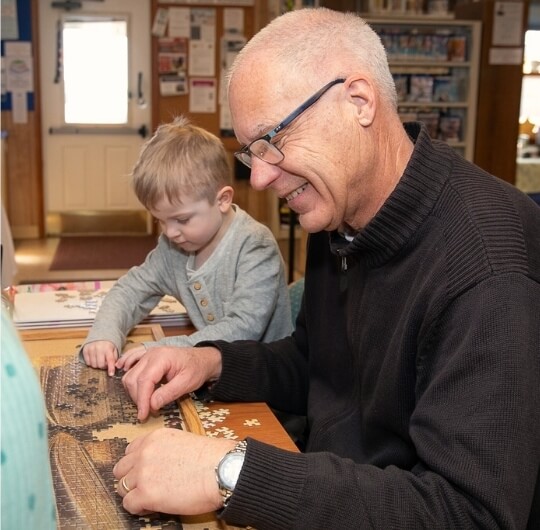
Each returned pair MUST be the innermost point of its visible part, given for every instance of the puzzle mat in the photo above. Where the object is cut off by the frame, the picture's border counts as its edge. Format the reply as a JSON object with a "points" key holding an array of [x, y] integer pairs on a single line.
{"points": [[91, 421]]}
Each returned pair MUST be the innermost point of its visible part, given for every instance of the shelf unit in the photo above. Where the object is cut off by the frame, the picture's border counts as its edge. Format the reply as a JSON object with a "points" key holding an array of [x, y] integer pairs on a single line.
{"points": [[435, 64]]}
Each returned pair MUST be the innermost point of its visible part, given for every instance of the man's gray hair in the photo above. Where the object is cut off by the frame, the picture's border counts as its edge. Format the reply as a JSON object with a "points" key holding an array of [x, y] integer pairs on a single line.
{"points": [[320, 44]]}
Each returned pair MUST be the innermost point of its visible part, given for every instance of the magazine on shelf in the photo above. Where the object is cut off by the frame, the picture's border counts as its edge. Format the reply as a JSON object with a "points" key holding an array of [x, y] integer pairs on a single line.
{"points": [[421, 88]]}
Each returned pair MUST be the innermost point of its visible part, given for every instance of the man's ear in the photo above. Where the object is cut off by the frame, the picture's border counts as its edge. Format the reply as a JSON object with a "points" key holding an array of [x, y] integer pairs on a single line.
{"points": [[224, 198], [362, 94]]}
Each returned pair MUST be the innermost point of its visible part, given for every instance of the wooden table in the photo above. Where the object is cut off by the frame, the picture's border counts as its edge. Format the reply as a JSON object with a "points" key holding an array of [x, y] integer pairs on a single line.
{"points": [[91, 420], [254, 420]]}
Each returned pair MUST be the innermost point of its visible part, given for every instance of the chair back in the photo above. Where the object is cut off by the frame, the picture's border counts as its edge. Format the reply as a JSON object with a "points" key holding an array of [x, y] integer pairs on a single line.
{"points": [[296, 291]]}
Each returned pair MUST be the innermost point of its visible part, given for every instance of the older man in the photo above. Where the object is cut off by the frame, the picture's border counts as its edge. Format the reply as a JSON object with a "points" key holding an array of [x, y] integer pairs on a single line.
{"points": [[416, 356]]}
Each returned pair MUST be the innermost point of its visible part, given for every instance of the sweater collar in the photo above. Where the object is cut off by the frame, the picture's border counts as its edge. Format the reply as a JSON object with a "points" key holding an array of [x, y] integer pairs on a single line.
{"points": [[407, 206]]}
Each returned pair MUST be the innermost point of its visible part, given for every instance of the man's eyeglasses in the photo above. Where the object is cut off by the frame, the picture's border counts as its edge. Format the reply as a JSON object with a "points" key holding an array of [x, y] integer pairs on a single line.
{"points": [[262, 148]]}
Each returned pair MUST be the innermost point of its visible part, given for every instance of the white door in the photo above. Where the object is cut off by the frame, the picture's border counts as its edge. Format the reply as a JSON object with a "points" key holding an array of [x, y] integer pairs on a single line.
{"points": [[95, 82]]}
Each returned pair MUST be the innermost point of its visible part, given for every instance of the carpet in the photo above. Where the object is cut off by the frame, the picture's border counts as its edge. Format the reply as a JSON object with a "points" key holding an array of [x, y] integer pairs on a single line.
{"points": [[101, 252]]}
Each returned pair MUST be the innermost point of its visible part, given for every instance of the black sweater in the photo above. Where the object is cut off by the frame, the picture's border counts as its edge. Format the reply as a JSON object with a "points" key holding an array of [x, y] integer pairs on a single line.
{"points": [[417, 361]]}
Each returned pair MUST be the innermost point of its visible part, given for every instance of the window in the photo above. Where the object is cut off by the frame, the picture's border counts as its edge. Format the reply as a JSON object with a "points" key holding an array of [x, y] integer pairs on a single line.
{"points": [[95, 67], [530, 88]]}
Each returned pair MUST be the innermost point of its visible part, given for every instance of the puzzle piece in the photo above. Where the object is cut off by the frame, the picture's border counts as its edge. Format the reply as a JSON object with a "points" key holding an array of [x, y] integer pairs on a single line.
{"points": [[222, 432]]}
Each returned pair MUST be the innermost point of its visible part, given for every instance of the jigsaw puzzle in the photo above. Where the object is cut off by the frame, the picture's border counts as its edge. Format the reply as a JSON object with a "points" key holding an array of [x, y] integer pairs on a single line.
{"points": [[91, 420]]}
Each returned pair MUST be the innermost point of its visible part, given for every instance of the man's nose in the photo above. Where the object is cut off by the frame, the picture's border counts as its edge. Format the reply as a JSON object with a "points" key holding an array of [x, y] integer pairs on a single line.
{"points": [[262, 174]]}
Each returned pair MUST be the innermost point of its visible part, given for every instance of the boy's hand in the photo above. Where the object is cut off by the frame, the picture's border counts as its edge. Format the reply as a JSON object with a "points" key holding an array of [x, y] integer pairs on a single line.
{"points": [[101, 354], [130, 357]]}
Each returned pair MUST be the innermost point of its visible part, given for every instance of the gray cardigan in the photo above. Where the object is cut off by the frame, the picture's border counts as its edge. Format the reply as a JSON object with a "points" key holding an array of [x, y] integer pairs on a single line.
{"points": [[240, 292]]}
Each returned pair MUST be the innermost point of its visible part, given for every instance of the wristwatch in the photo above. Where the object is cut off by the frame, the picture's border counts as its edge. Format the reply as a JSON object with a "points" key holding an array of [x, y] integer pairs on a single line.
{"points": [[228, 470]]}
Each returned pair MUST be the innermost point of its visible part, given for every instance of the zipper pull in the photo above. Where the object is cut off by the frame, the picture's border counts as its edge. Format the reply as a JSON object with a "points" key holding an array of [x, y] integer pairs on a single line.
{"points": [[343, 275]]}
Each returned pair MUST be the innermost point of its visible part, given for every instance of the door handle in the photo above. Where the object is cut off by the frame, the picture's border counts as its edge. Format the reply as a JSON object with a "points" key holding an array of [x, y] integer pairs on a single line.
{"points": [[140, 95], [142, 131]]}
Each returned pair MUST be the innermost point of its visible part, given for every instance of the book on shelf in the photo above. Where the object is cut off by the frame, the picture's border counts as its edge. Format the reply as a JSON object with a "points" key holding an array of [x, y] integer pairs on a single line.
{"points": [[445, 89], [421, 88], [402, 86], [450, 128], [457, 48], [431, 121]]}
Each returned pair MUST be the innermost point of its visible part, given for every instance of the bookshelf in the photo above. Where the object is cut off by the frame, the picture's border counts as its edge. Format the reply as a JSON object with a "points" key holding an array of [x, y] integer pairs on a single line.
{"points": [[435, 67]]}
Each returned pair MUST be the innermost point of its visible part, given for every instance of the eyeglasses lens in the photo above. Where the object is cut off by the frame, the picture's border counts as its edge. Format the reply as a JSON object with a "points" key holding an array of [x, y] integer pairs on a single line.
{"points": [[244, 157], [263, 150], [266, 151]]}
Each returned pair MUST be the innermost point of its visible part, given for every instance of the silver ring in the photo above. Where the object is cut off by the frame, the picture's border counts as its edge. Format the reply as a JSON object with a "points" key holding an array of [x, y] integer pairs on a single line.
{"points": [[124, 485]]}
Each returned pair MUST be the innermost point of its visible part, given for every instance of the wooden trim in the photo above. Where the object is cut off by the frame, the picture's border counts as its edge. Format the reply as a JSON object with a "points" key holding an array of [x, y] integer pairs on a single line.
{"points": [[23, 176], [499, 96], [26, 232], [40, 197]]}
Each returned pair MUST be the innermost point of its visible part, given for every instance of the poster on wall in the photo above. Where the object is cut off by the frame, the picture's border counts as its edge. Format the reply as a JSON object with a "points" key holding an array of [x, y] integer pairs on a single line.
{"points": [[202, 58], [202, 44], [169, 63], [179, 22], [159, 26], [172, 66], [19, 67], [233, 20], [231, 43], [19, 71], [507, 24], [173, 84], [202, 95], [203, 24], [10, 25], [172, 55]]}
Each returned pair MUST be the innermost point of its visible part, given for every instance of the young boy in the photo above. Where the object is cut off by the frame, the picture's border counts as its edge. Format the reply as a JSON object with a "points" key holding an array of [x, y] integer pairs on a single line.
{"points": [[221, 264]]}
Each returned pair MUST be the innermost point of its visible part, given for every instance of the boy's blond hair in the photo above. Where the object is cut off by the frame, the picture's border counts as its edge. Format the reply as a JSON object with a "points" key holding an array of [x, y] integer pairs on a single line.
{"points": [[180, 160]]}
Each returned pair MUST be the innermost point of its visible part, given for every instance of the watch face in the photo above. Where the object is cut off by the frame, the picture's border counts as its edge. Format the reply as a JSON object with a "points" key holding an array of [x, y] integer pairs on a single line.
{"points": [[229, 470]]}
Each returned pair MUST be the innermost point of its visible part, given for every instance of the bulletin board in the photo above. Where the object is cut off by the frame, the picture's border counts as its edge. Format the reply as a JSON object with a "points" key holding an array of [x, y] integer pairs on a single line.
{"points": [[193, 44]]}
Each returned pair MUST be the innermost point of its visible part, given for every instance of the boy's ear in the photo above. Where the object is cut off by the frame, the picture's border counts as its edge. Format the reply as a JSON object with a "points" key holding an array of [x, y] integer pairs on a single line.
{"points": [[225, 198]]}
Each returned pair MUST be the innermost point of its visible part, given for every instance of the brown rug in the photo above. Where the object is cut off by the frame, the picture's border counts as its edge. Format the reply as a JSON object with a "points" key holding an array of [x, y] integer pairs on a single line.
{"points": [[101, 252]]}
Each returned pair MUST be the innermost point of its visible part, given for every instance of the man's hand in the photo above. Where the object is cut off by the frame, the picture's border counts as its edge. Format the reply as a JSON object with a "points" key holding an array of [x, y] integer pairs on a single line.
{"points": [[101, 354], [130, 357], [171, 471], [183, 369]]}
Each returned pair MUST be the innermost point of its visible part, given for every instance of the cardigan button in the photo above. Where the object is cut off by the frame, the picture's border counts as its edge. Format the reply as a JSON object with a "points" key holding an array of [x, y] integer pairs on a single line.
{"points": [[210, 317], [197, 286], [204, 302]]}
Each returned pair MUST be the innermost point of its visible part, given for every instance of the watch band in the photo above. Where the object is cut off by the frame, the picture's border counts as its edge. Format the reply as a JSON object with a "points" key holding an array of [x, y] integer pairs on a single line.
{"points": [[225, 491]]}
